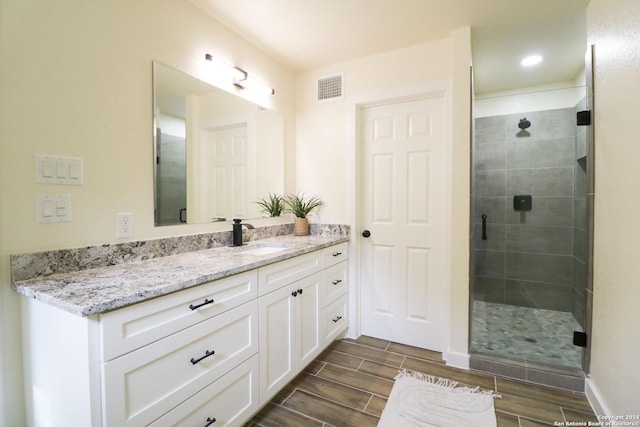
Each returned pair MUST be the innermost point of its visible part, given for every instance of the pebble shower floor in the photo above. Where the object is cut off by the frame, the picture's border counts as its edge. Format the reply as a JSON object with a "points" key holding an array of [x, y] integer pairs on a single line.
{"points": [[523, 333]]}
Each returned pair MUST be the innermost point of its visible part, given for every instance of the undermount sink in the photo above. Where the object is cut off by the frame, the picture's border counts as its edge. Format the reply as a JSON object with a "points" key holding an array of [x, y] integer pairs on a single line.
{"points": [[261, 248]]}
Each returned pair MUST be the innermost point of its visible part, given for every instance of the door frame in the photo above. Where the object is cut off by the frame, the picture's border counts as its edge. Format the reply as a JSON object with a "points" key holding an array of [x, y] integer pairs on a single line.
{"points": [[355, 106]]}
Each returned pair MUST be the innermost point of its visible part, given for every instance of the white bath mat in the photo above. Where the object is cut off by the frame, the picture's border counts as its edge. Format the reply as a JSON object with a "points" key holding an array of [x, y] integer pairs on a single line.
{"points": [[418, 399]]}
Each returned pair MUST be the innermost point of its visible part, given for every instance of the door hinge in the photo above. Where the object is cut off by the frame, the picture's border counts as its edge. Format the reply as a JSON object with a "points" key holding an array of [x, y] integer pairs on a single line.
{"points": [[580, 338], [583, 118]]}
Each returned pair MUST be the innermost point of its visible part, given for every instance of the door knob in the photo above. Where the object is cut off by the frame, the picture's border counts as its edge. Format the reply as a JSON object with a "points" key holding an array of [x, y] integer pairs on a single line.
{"points": [[366, 233]]}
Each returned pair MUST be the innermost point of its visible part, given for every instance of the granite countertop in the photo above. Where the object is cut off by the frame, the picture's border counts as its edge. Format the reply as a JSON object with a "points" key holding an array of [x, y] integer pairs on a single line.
{"points": [[98, 290]]}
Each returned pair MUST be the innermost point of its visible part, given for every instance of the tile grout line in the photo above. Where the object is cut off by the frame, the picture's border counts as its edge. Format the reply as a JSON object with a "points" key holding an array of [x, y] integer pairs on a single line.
{"points": [[367, 405]]}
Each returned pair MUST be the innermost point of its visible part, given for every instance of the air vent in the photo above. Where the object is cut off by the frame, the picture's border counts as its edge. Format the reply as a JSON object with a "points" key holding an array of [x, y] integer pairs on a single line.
{"points": [[330, 87]]}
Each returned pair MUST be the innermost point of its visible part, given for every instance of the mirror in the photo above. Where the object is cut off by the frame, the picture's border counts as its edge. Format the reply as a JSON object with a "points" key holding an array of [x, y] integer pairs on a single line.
{"points": [[215, 153]]}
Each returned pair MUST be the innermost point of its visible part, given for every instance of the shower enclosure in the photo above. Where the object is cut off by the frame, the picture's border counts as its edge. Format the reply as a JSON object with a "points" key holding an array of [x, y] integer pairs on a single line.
{"points": [[530, 233]]}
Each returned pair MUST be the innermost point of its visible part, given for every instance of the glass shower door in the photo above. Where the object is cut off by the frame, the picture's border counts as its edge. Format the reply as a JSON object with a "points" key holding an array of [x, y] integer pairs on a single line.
{"points": [[530, 228]]}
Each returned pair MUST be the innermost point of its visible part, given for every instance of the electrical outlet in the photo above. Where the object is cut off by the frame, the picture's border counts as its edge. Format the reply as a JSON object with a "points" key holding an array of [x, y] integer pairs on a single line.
{"points": [[124, 225]]}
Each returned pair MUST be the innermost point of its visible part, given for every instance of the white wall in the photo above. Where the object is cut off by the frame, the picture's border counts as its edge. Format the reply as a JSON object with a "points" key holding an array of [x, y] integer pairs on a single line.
{"points": [[76, 81], [327, 161], [613, 27], [530, 99]]}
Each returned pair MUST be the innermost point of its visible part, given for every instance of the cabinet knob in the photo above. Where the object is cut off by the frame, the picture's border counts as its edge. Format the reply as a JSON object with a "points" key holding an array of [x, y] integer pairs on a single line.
{"points": [[300, 291], [294, 294], [366, 233]]}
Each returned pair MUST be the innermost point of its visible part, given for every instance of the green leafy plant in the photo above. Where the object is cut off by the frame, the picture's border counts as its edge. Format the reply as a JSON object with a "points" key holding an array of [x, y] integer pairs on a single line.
{"points": [[300, 206], [272, 205]]}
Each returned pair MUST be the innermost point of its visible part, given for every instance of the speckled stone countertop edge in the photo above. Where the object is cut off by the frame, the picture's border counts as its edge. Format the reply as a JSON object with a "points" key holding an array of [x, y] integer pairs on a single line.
{"points": [[99, 290]]}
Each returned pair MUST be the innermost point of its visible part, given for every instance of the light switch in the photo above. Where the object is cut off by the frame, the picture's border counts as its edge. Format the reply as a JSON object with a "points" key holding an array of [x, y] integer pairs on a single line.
{"points": [[75, 171], [47, 169], [58, 170], [61, 208], [61, 169], [53, 208], [47, 208]]}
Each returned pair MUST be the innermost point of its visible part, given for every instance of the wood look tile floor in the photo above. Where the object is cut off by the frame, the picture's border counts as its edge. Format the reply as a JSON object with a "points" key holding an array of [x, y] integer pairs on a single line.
{"points": [[349, 383]]}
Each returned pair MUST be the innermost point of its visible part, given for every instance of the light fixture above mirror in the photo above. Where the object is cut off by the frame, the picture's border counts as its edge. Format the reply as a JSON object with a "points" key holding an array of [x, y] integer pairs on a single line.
{"points": [[241, 78]]}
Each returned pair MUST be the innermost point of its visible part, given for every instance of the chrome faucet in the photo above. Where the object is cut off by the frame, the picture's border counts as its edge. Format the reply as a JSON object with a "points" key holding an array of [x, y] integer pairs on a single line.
{"points": [[237, 231]]}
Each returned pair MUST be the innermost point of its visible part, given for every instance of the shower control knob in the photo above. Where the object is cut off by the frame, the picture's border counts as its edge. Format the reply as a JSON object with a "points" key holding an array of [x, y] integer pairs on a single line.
{"points": [[366, 233]]}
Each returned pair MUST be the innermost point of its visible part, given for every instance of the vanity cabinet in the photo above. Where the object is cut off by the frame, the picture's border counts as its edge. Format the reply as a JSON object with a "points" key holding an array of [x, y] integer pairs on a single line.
{"points": [[292, 313], [217, 351]]}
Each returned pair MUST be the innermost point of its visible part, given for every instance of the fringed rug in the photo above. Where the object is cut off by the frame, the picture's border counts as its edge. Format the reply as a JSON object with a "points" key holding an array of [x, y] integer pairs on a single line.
{"points": [[418, 399]]}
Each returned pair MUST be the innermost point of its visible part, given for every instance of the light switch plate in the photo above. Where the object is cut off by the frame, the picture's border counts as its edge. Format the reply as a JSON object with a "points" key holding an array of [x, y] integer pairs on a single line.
{"points": [[59, 170], [53, 208]]}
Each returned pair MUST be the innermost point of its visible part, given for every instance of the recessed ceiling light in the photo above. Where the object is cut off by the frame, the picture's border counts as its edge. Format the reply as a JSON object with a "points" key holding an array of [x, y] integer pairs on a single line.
{"points": [[531, 60]]}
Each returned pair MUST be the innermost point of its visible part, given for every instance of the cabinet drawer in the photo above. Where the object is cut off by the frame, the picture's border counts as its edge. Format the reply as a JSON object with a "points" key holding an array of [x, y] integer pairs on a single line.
{"points": [[140, 386], [334, 319], [230, 400], [335, 254], [132, 327], [335, 282], [274, 276]]}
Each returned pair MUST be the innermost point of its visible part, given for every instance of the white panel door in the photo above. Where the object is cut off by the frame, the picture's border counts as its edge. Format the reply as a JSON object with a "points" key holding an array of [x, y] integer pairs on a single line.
{"points": [[225, 165], [403, 261]]}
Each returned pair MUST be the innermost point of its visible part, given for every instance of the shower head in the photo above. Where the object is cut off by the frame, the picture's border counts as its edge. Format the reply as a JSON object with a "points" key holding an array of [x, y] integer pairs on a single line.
{"points": [[524, 123]]}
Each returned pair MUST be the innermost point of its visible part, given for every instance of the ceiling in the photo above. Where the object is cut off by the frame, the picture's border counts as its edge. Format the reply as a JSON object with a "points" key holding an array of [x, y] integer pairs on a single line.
{"points": [[306, 34]]}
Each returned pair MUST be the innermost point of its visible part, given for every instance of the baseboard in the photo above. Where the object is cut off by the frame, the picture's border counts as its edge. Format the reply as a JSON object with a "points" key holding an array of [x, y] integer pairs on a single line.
{"points": [[457, 360], [595, 398]]}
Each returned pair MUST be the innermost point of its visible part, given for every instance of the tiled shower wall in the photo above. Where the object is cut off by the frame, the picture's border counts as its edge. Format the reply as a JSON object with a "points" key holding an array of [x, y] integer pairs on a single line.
{"points": [[171, 184], [530, 258]]}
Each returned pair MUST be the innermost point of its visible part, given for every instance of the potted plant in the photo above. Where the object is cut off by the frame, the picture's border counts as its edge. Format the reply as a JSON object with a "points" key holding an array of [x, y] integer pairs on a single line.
{"points": [[272, 205], [301, 207]]}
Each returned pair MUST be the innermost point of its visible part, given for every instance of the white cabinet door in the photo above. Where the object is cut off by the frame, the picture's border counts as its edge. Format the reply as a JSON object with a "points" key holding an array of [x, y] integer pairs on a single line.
{"points": [[277, 367], [289, 333], [307, 330]]}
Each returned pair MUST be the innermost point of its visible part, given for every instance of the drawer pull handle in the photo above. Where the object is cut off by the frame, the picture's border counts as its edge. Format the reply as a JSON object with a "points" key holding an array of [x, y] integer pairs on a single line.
{"points": [[210, 421], [336, 319], [206, 301], [337, 253], [206, 354], [335, 282]]}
